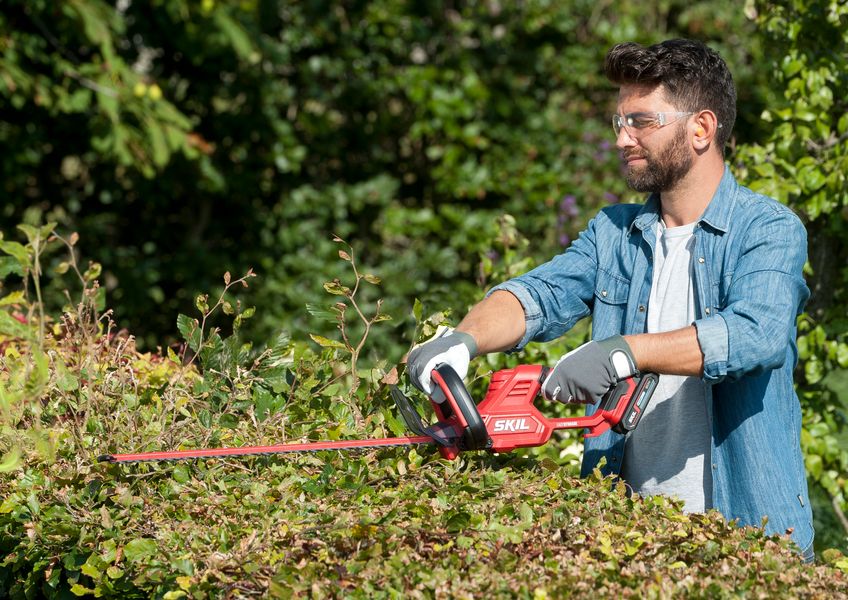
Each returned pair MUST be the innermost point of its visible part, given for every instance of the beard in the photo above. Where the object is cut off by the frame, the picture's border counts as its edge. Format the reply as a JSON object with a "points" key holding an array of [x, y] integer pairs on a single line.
{"points": [[662, 171]]}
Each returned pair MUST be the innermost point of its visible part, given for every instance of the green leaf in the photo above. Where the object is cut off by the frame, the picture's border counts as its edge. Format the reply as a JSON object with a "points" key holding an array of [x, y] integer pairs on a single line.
{"points": [[91, 570], [842, 126], [10, 326], [417, 310], [19, 252], [326, 342], [9, 265], [139, 549], [95, 26], [114, 572], [9, 503], [109, 104], [31, 233], [336, 288], [321, 313], [814, 465], [38, 235], [228, 421], [39, 375], [158, 142], [813, 370], [237, 36], [190, 330], [397, 427], [78, 101], [842, 355], [180, 473], [10, 461], [16, 297], [263, 401], [457, 521], [93, 271], [65, 380], [172, 356], [81, 590]]}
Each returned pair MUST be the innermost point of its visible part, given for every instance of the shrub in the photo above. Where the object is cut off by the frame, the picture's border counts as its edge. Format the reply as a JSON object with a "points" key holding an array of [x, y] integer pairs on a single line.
{"points": [[389, 523]]}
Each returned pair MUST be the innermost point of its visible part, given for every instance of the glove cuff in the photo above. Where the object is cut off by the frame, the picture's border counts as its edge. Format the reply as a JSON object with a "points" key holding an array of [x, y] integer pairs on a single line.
{"points": [[620, 356], [468, 341]]}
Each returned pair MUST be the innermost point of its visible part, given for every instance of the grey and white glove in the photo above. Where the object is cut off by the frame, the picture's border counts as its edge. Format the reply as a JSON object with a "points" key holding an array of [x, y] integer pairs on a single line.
{"points": [[587, 373], [448, 346]]}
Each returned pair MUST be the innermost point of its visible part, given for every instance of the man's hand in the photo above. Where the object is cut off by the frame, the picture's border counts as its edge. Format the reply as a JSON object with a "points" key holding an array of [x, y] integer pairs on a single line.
{"points": [[587, 373], [448, 346]]}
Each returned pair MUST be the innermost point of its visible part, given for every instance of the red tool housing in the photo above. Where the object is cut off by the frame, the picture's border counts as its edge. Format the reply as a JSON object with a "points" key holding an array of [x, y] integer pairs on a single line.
{"points": [[511, 420]]}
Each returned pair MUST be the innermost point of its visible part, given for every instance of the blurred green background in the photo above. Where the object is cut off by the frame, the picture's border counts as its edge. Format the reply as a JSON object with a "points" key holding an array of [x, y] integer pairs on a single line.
{"points": [[184, 139]]}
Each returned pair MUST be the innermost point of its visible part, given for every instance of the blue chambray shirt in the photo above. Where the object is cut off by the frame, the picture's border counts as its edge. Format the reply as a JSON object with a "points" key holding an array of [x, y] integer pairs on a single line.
{"points": [[750, 251]]}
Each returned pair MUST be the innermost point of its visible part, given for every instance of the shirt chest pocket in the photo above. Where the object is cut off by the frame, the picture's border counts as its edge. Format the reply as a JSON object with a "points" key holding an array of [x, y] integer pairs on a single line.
{"points": [[611, 289], [609, 312]]}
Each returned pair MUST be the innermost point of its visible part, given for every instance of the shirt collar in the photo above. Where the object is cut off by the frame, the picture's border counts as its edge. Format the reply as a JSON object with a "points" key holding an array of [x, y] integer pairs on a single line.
{"points": [[717, 215], [721, 206]]}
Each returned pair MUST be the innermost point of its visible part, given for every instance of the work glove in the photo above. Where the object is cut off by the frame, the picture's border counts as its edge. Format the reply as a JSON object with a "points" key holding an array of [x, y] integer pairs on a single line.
{"points": [[448, 346], [587, 373]]}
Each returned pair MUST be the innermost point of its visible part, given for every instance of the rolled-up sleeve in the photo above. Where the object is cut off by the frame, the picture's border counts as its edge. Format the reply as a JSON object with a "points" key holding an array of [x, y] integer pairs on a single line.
{"points": [[712, 336], [756, 328], [532, 312], [557, 294]]}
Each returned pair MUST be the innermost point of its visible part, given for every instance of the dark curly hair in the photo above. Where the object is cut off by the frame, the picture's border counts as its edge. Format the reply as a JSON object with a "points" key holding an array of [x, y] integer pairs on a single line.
{"points": [[694, 76]]}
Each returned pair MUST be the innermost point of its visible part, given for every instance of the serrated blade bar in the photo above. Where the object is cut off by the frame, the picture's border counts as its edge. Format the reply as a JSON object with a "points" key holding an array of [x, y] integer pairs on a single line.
{"points": [[265, 450]]}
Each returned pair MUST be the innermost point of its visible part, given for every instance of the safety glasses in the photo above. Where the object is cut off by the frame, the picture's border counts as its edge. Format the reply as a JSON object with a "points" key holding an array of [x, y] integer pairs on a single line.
{"points": [[634, 122]]}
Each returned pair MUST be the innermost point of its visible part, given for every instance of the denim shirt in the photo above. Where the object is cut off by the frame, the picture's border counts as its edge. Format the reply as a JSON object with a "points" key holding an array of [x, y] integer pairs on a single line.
{"points": [[749, 252]]}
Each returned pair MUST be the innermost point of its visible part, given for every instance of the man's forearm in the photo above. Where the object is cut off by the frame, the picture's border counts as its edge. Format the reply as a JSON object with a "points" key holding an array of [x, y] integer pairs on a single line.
{"points": [[496, 323], [670, 353]]}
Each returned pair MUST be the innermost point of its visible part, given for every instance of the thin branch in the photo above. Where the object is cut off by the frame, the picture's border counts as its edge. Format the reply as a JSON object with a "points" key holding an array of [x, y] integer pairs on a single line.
{"points": [[834, 502], [92, 85], [827, 144]]}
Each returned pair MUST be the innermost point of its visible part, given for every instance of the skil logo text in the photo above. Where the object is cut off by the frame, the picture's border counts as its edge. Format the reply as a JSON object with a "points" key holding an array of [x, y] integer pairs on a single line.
{"points": [[504, 425]]}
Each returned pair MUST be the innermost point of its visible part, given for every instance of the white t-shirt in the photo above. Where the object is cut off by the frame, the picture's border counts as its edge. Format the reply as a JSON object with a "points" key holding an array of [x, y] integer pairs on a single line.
{"points": [[669, 452]]}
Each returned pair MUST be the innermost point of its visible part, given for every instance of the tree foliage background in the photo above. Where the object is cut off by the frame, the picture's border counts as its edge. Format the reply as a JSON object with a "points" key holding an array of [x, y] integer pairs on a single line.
{"points": [[182, 138], [452, 144]]}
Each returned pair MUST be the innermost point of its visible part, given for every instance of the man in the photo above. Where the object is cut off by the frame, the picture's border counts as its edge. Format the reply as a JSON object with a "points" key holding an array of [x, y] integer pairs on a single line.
{"points": [[702, 284]]}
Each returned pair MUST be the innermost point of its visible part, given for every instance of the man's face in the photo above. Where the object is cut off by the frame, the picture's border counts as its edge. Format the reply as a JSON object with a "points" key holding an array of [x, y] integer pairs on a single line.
{"points": [[656, 158]]}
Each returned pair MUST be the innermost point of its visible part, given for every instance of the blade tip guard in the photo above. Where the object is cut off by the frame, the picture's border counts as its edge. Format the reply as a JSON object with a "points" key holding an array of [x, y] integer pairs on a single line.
{"points": [[107, 458]]}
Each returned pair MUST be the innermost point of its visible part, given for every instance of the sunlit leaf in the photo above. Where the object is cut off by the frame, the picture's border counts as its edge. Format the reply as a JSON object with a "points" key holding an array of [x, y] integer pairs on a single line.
{"points": [[326, 342], [139, 549]]}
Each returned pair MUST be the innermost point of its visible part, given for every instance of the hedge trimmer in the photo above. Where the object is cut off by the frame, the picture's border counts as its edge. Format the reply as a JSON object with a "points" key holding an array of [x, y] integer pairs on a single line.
{"points": [[506, 419]]}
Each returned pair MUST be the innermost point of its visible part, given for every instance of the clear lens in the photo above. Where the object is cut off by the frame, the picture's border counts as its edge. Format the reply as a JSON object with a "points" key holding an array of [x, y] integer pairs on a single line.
{"points": [[644, 120]]}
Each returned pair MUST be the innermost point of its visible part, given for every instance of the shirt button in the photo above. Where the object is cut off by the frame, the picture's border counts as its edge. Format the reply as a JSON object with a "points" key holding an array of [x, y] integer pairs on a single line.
{"points": [[714, 467], [707, 311], [701, 260], [604, 293], [641, 308]]}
